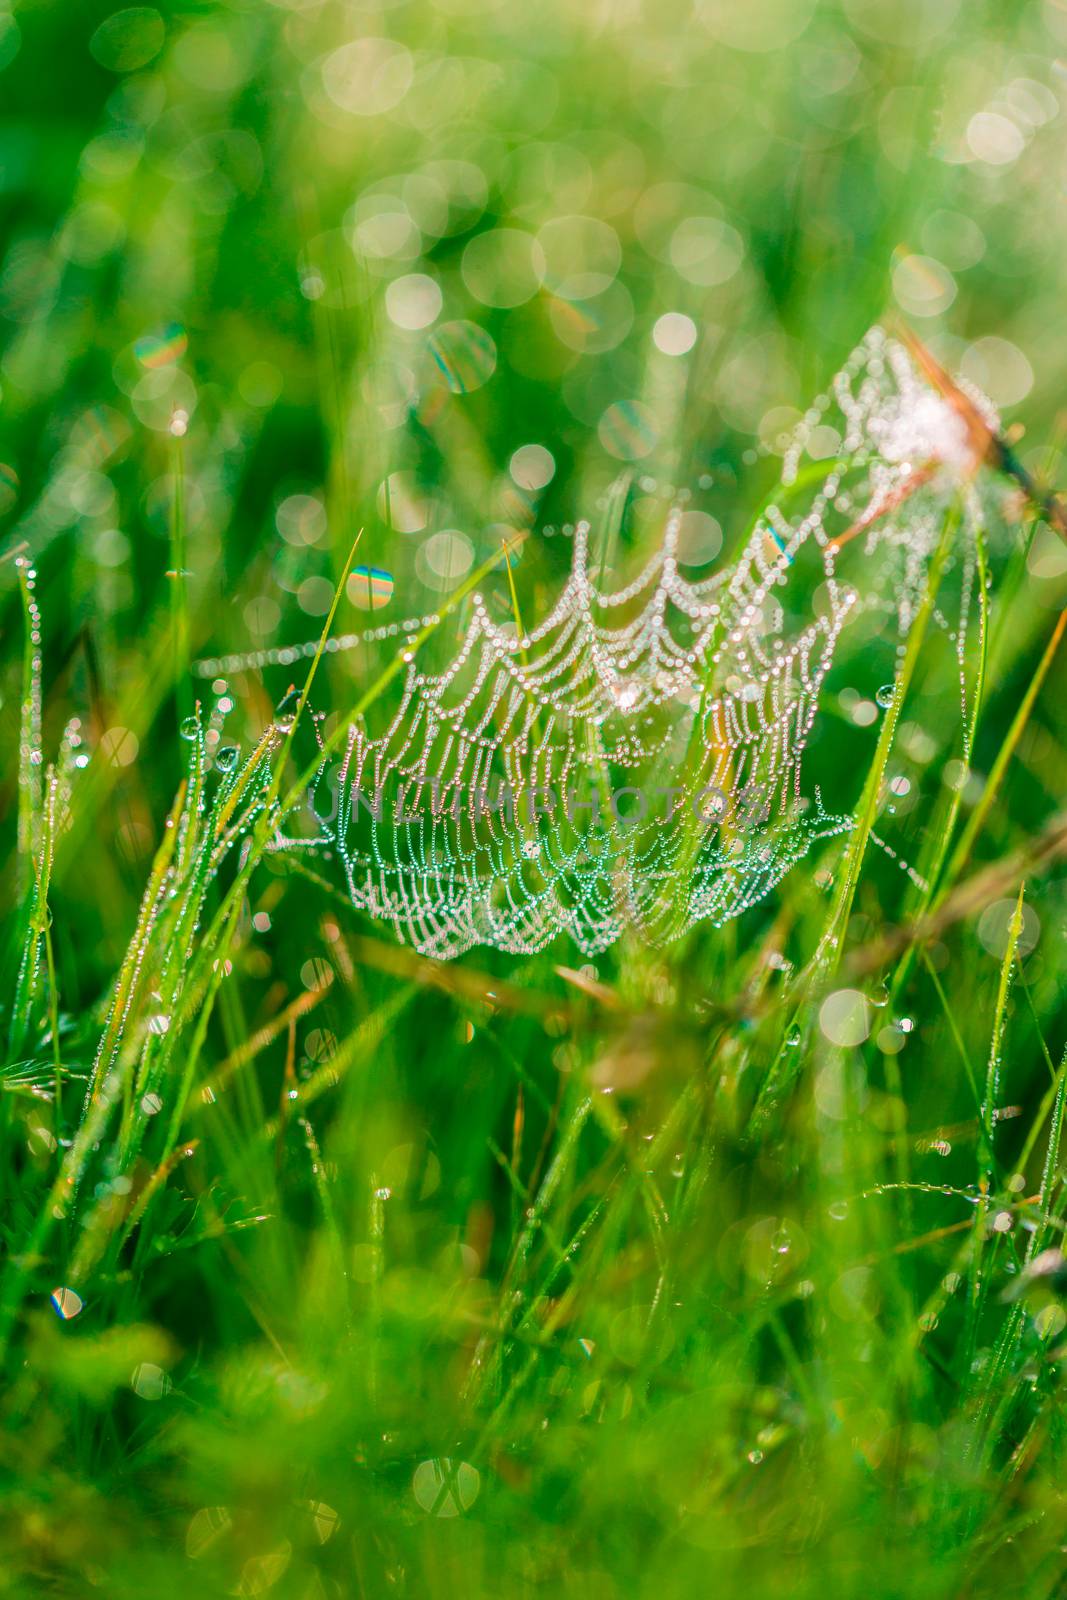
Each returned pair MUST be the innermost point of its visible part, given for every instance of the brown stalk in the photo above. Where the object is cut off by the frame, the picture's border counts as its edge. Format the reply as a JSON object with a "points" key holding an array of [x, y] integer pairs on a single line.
{"points": [[987, 446]]}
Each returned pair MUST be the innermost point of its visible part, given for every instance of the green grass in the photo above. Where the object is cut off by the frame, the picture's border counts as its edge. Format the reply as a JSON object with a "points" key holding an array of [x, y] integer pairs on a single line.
{"points": [[544, 1276]]}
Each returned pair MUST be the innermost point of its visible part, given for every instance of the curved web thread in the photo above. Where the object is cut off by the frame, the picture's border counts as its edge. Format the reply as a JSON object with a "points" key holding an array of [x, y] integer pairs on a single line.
{"points": [[561, 781], [634, 761]]}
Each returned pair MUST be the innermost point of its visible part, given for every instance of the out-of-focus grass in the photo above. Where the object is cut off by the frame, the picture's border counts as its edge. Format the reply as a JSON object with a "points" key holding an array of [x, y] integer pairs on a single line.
{"points": [[377, 1290]]}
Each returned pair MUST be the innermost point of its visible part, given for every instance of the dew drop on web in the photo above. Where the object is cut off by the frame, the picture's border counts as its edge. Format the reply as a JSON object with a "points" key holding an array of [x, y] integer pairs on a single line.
{"points": [[427, 828]]}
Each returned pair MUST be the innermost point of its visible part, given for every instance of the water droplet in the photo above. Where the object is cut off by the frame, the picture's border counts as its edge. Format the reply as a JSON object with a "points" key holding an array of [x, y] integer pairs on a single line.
{"points": [[885, 695], [65, 1303], [149, 1381], [445, 1488], [189, 727], [226, 758], [792, 1038]]}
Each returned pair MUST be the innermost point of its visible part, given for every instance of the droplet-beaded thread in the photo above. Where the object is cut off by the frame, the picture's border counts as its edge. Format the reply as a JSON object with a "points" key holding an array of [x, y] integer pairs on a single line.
{"points": [[633, 762]]}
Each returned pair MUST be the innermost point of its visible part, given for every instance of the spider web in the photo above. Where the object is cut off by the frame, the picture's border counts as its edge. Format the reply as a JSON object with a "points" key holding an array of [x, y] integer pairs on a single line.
{"points": [[633, 762]]}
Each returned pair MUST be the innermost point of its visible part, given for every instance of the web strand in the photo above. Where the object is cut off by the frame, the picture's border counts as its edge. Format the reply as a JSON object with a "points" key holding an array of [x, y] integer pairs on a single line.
{"points": [[633, 761]]}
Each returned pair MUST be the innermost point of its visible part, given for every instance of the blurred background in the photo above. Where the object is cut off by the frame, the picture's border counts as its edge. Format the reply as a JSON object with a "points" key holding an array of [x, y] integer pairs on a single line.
{"points": [[453, 273]]}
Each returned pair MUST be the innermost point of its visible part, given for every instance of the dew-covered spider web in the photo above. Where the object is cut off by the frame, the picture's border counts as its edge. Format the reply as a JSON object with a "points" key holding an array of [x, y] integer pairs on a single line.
{"points": [[632, 762]]}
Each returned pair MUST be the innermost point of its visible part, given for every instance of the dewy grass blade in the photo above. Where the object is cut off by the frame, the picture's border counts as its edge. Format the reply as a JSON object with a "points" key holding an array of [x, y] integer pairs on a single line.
{"points": [[30, 767], [177, 575], [947, 827], [977, 820], [856, 849], [977, 1289], [215, 943]]}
